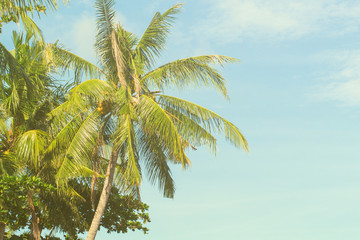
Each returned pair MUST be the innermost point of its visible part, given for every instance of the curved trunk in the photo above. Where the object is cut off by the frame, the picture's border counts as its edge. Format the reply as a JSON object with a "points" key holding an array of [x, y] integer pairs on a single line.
{"points": [[34, 219], [93, 182], [2, 230], [95, 224], [93, 191]]}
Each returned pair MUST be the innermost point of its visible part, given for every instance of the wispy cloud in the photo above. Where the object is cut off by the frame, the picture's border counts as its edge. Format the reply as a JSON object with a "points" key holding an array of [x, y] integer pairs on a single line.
{"points": [[232, 20], [343, 83], [83, 36]]}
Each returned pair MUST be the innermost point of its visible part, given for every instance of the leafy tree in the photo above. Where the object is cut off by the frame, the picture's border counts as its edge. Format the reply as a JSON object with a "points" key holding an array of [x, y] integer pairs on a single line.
{"points": [[126, 121], [54, 212], [124, 212], [28, 93], [15, 203], [22, 11]]}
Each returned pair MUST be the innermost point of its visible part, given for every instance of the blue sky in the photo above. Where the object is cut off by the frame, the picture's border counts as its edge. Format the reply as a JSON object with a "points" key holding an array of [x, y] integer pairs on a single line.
{"points": [[295, 96]]}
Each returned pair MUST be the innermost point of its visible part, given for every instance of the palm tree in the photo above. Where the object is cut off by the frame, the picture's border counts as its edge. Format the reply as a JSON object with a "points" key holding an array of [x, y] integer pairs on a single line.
{"points": [[19, 11], [28, 88], [129, 116], [28, 92]]}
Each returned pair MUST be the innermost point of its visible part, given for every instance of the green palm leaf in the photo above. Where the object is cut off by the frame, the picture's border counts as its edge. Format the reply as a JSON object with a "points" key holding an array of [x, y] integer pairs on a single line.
{"points": [[157, 122], [125, 141], [3, 125], [154, 158], [94, 89], [78, 152], [55, 54], [11, 103], [154, 38], [210, 120], [30, 146], [62, 137], [192, 131], [20, 6], [193, 71], [9, 65], [31, 27]]}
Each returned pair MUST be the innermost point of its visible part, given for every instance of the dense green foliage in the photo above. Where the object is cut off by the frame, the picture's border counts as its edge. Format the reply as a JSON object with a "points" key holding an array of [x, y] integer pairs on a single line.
{"points": [[28, 93], [14, 192], [59, 148], [68, 217], [22, 10], [123, 212], [129, 113]]}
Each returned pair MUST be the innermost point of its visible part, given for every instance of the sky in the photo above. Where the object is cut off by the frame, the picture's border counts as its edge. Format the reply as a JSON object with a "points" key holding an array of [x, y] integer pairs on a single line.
{"points": [[295, 95]]}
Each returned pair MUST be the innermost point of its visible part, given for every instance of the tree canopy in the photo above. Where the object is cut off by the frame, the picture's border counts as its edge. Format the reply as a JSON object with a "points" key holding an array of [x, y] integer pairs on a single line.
{"points": [[86, 146]]}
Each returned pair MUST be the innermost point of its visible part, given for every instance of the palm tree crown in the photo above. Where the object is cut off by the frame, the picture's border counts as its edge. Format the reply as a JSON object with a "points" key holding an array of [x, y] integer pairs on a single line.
{"points": [[126, 121]]}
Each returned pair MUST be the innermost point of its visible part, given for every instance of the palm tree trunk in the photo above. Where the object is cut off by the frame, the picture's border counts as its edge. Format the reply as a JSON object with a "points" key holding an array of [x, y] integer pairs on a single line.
{"points": [[104, 196], [2, 230], [93, 182], [95, 155], [34, 219]]}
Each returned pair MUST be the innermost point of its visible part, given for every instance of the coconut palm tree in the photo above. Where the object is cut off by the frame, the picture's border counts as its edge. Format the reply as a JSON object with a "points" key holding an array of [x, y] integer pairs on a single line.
{"points": [[129, 115], [27, 83], [28, 92], [22, 11]]}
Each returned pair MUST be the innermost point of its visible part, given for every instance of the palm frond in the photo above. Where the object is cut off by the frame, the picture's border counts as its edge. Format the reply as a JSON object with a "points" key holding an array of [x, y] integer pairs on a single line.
{"points": [[57, 55], [93, 90], [9, 164], [130, 39], [59, 116], [124, 139], [122, 182], [77, 153], [30, 146], [157, 122], [62, 134], [130, 72], [154, 38], [3, 125], [10, 66], [22, 6], [210, 120], [19, 9], [153, 156], [193, 71], [192, 131], [105, 20], [12, 102], [31, 27]]}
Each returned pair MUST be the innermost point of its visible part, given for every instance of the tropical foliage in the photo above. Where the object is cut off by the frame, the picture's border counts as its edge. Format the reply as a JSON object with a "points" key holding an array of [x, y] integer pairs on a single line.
{"points": [[106, 133], [22, 10], [127, 120], [29, 92], [14, 208], [68, 217]]}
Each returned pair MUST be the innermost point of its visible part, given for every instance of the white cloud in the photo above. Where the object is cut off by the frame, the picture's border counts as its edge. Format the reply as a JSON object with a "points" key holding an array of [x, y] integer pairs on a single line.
{"points": [[83, 36], [344, 85], [231, 20], [347, 92]]}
